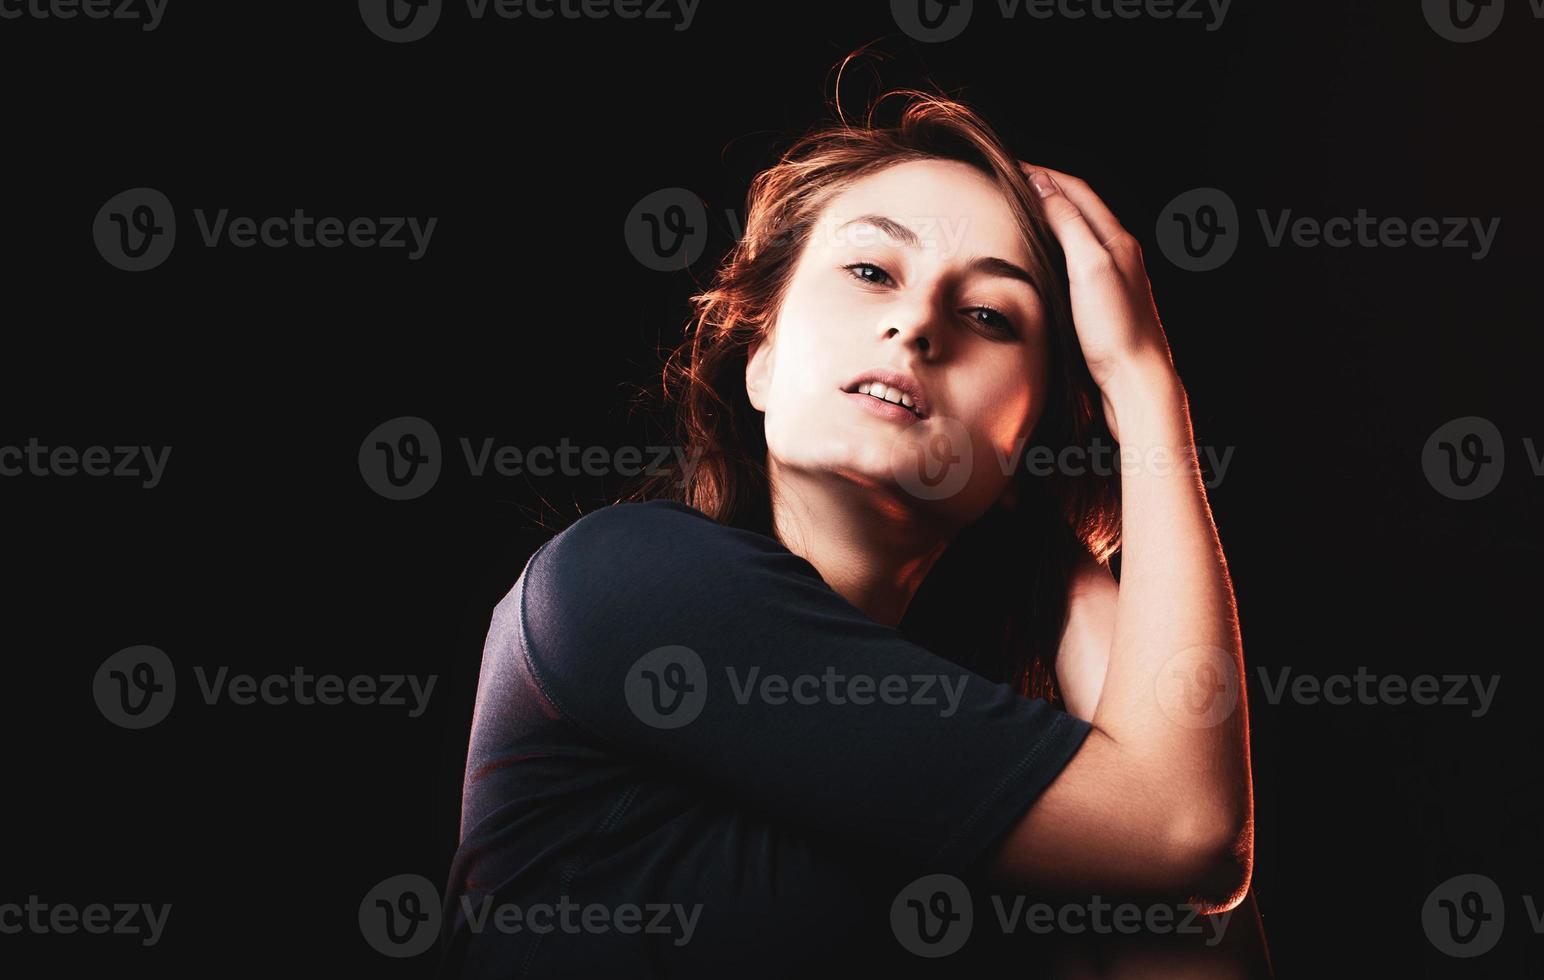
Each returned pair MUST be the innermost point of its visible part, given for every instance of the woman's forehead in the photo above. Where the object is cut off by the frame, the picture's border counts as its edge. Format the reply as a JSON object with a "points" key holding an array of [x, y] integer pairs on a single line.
{"points": [[935, 204]]}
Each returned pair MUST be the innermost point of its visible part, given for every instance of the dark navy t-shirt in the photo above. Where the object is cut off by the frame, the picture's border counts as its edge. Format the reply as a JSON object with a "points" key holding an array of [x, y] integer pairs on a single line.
{"points": [[690, 756]]}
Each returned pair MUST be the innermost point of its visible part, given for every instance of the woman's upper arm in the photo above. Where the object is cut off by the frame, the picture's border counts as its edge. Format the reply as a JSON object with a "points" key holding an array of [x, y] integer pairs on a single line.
{"points": [[1084, 652]]}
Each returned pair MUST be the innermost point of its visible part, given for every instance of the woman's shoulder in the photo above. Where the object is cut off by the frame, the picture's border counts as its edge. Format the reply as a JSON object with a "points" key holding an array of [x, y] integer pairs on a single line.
{"points": [[643, 513], [634, 530], [629, 549], [621, 572], [649, 557]]}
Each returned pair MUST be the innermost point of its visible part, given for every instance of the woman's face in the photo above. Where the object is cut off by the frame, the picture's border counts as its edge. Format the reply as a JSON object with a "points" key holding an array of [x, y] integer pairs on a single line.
{"points": [[915, 270]]}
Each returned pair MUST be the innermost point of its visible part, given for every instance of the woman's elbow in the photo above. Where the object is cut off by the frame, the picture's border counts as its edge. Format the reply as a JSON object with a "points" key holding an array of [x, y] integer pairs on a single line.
{"points": [[1219, 861]]}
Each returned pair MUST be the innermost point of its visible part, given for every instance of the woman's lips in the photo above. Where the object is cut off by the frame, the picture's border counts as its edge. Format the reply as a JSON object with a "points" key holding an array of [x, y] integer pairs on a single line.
{"points": [[882, 408]]}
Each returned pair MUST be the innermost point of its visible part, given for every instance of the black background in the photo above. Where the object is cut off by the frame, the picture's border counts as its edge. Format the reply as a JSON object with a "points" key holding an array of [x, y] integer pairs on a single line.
{"points": [[529, 321]]}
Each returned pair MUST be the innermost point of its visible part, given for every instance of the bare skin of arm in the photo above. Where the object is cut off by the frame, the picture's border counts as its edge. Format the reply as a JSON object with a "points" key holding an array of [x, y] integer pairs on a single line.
{"points": [[1221, 946], [1157, 802]]}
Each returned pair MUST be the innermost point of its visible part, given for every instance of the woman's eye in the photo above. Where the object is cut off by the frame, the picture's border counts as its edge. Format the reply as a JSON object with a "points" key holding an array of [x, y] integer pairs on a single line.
{"points": [[993, 318], [853, 269], [987, 316]]}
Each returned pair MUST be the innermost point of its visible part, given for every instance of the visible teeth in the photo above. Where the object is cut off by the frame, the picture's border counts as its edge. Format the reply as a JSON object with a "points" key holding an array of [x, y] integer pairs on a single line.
{"points": [[887, 393]]}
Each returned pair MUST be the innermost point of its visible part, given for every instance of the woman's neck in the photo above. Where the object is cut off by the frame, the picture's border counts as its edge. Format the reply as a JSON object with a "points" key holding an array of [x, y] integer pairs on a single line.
{"points": [[872, 550]]}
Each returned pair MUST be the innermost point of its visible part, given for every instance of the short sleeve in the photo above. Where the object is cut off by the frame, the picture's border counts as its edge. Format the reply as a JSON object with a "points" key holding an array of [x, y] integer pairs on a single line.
{"points": [[721, 656]]}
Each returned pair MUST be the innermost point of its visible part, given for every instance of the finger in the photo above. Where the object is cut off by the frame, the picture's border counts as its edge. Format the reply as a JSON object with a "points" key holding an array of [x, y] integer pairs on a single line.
{"points": [[1087, 258], [1112, 235], [1099, 216]]}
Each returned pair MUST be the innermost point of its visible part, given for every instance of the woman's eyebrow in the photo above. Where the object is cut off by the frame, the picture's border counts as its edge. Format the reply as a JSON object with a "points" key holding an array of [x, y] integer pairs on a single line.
{"points": [[989, 265], [889, 226], [993, 266]]}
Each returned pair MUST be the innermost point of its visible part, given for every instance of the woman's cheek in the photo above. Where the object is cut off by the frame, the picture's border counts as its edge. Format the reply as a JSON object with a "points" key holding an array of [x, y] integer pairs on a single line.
{"points": [[1007, 415]]}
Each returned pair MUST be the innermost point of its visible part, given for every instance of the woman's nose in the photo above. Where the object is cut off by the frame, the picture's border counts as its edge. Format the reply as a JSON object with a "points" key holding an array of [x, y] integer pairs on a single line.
{"points": [[917, 325]]}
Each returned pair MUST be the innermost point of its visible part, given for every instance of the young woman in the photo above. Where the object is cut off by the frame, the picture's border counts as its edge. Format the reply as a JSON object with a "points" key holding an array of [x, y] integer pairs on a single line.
{"points": [[862, 674]]}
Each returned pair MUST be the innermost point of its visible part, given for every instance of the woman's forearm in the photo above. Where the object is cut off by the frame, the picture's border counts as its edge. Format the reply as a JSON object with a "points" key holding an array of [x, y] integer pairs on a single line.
{"points": [[1173, 689]]}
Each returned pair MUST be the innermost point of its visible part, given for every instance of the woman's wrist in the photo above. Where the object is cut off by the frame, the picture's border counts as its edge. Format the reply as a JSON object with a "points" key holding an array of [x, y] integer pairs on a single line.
{"points": [[1145, 402]]}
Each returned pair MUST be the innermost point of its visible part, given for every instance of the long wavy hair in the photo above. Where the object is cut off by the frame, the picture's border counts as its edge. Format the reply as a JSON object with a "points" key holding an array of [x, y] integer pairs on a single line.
{"points": [[996, 601]]}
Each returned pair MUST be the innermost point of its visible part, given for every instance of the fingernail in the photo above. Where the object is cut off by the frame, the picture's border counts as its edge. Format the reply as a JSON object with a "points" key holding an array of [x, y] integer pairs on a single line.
{"points": [[1042, 183]]}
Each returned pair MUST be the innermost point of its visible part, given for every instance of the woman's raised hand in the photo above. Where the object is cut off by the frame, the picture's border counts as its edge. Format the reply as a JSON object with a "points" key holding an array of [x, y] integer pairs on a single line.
{"points": [[1112, 301]]}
